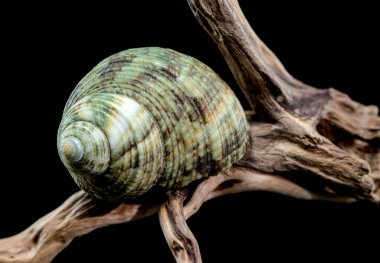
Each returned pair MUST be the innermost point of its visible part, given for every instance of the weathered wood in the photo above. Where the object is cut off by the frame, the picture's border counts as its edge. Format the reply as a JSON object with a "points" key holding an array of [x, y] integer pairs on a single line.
{"points": [[180, 239], [306, 143], [78, 215], [81, 214], [299, 130]]}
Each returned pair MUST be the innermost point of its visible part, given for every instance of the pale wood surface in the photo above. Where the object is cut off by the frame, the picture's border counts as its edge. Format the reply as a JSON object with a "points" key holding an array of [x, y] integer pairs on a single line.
{"points": [[299, 134]]}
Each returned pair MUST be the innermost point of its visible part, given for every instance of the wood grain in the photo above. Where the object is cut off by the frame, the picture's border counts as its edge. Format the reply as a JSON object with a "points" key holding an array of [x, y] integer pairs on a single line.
{"points": [[306, 143]]}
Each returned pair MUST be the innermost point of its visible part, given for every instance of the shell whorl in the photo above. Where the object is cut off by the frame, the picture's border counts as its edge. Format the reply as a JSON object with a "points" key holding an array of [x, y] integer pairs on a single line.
{"points": [[146, 117]]}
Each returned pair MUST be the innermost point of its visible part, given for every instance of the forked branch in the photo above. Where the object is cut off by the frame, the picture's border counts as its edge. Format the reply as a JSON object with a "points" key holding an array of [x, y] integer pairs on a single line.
{"points": [[321, 133], [81, 214], [306, 143]]}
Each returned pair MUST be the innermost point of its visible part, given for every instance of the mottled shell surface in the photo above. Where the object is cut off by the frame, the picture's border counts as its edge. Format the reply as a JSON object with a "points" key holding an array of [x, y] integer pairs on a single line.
{"points": [[149, 117]]}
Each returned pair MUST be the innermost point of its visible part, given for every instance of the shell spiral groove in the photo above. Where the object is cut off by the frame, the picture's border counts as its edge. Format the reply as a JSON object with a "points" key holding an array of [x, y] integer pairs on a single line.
{"points": [[149, 117]]}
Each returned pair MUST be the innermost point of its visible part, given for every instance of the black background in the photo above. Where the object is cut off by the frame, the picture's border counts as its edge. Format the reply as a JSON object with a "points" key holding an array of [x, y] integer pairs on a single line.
{"points": [[48, 49]]}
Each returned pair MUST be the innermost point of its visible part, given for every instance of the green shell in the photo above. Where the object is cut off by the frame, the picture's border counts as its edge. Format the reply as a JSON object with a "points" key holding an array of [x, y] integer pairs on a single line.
{"points": [[146, 117]]}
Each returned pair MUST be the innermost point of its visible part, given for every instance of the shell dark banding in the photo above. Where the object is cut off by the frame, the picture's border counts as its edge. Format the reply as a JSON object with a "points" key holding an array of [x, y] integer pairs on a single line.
{"points": [[165, 117]]}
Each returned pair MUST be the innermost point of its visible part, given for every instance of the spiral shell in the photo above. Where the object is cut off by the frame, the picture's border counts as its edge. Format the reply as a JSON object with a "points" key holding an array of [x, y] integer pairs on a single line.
{"points": [[149, 117]]}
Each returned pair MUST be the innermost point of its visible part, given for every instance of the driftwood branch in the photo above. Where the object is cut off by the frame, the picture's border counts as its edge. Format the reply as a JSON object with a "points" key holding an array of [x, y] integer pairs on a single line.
{"points": [[323, 134], [306, 143], [78, 215], [180, 239], [81, 214]]}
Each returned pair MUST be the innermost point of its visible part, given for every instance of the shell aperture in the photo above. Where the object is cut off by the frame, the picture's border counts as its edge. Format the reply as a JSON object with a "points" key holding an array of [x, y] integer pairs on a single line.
{"points": [[146, 117]]}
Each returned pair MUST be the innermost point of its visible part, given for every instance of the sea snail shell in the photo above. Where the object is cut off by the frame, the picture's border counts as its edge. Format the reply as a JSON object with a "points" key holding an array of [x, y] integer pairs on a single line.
{"points": [[146, 117]]}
